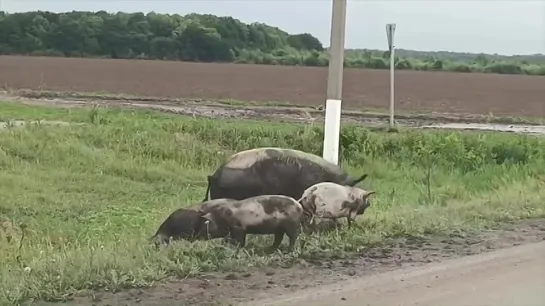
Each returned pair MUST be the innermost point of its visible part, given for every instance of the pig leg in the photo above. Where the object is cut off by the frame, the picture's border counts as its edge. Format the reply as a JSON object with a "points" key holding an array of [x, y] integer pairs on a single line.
{"points": [[278, 236], [309, 227], [349, 220], [229, 240], [239, 237], [336, 224], [292, 230]]}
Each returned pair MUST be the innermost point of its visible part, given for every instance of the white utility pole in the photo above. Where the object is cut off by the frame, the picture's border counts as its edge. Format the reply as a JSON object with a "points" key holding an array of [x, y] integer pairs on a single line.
{"points": [[332, 127], [390, 31]]}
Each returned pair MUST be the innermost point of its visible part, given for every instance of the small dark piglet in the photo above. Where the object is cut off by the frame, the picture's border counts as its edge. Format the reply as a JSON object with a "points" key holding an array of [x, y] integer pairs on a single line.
{"points": [[183, 222], [180, 224], [266, 214]]}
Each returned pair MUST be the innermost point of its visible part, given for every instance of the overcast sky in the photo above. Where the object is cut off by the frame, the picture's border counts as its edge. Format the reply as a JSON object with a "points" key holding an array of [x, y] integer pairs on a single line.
{"points": [[503, 27]]}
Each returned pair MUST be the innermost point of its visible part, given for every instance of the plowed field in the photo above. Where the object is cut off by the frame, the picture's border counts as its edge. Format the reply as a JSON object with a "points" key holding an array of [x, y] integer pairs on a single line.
{"points": [[443, 92]]}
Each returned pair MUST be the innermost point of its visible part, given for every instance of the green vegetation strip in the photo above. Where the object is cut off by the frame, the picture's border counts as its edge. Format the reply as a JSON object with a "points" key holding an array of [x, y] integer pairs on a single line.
{"points": [[88, 196], [209, 38]]}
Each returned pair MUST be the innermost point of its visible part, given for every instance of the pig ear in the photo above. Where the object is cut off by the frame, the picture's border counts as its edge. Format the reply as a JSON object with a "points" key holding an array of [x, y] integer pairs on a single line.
{"points": [[367, 194]]}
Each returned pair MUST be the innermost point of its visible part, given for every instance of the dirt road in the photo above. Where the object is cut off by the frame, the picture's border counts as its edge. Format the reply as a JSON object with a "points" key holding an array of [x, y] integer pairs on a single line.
{"points": [[514, 276], [211, 109]]}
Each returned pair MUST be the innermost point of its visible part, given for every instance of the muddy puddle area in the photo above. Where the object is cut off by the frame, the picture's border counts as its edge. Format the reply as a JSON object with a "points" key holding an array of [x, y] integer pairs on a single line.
{"points": [[520, 129], [213, 109], [309, 115]]}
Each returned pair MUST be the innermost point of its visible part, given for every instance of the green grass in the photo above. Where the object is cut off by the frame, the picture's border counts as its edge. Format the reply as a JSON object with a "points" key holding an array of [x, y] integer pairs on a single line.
{"points": [[88, 196]]}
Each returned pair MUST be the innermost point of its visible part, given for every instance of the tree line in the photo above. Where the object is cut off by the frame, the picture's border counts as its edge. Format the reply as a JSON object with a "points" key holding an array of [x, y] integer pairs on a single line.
{"points": [[209, 38]]}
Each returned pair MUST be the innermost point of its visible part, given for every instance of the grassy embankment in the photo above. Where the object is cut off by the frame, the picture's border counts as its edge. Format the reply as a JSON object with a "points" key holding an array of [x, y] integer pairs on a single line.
{"points": [[89, 195]]}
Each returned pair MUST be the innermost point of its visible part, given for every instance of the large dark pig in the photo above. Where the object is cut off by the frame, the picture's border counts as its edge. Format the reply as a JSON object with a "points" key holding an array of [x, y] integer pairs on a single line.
{"points": [[273, 171], [183, 222], [266, 214]]}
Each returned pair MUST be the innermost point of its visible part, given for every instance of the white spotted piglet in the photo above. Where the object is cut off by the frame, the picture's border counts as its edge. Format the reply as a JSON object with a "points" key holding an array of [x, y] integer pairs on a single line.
{"points": [[333, 201]]}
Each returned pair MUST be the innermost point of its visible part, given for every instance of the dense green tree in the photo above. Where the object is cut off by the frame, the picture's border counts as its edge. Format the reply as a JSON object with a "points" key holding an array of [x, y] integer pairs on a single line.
{"points": [[209, 38], [192, 37], [305, 41]]}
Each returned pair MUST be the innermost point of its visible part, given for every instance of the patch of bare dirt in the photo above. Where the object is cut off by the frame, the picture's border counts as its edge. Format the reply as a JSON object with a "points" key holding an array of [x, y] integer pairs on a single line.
{"points": [[257, 284], [508, 277], [214, 109]]}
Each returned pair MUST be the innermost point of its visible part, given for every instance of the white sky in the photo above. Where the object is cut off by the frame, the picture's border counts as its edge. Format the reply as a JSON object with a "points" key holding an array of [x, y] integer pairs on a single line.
{"points": [[488, 26]]}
